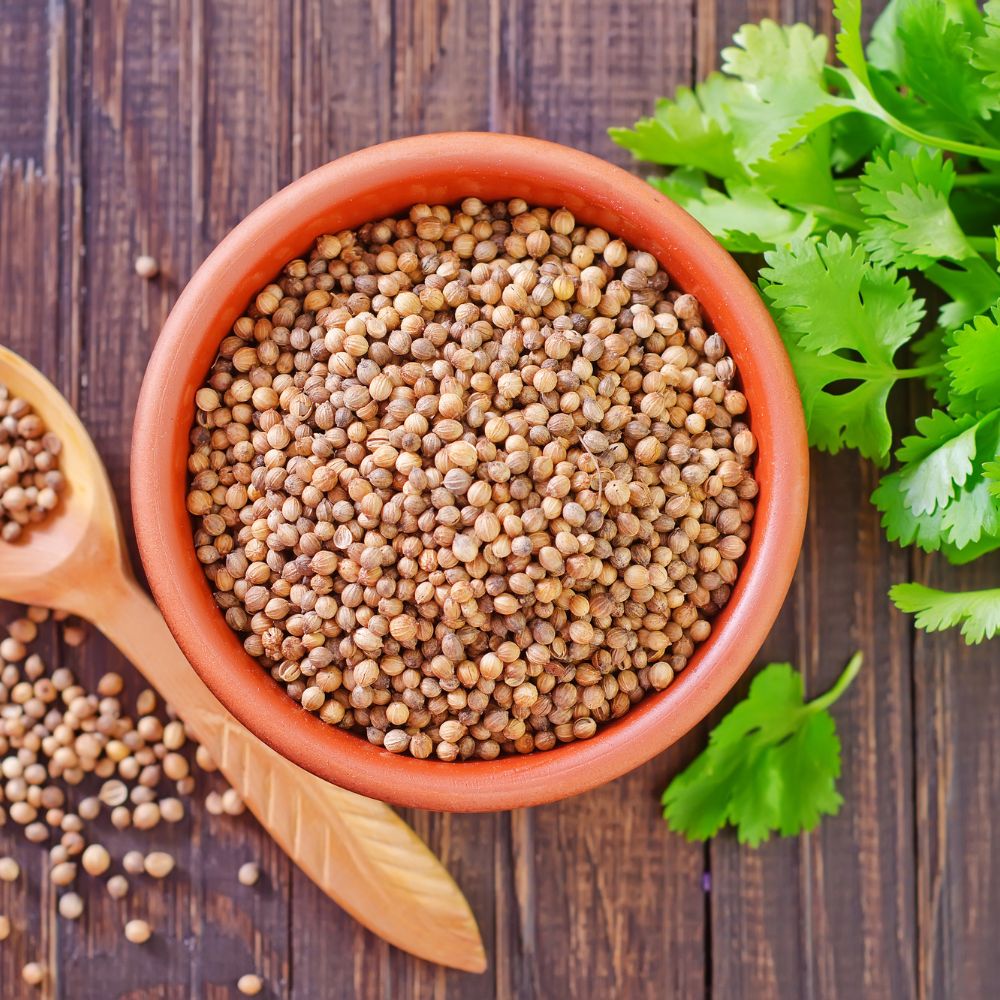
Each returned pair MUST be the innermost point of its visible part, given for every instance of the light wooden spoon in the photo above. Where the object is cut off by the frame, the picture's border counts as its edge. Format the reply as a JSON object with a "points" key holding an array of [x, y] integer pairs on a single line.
{"points": [[358, 851]]}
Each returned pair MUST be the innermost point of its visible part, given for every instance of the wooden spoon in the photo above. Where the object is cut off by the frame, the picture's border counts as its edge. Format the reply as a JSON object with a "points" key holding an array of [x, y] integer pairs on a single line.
{"points": [[357, 850]]}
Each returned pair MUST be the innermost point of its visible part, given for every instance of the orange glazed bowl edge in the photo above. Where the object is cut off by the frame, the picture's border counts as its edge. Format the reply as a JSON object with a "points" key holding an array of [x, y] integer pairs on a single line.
{"points": [[381, 181]]}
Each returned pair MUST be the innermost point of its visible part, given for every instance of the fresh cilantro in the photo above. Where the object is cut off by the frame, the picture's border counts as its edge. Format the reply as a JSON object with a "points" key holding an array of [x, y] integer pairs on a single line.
{"points": [[743, 219], [691, 130], [771, 764], [992, 472], [977, 611], [843, 318], [940, 498], [973, 361], [937, 460], [986, 48], [861, 182], [936, 63], [906, 201]]}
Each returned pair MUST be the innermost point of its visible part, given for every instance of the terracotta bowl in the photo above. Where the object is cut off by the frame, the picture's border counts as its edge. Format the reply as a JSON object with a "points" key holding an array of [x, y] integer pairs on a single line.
{"points": [[381, 181]]}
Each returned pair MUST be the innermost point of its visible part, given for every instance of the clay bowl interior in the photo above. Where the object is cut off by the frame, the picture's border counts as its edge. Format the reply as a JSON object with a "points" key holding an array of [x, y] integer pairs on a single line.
{"points": [[382, 181]]}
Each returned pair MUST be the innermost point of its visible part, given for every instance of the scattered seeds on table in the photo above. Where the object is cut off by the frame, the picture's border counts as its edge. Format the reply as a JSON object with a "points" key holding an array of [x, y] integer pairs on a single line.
{"points": [[63, 873], [171, 810], [249, 873], [33, 973], [10, 870], [71, 906], [74, 634], [138, 931], [249, 985], [134, 862], [146, 266], [146, 815], [118, 887], [4, 928], [96, 860], [476, 476], [232, 804], [158, 864]]}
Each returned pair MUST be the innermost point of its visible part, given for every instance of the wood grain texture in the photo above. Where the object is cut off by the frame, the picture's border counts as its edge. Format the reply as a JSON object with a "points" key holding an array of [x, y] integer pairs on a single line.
{"points": [[957, 700], [130, 126]]}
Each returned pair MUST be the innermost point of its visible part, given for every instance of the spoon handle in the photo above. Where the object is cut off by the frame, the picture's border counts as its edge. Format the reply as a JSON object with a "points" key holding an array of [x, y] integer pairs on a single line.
{"points": [[357, 850]]}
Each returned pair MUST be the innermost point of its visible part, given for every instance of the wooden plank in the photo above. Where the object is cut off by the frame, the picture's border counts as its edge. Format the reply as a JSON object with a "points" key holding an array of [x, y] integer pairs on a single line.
{"points": [[957, 696], [24, 80]]}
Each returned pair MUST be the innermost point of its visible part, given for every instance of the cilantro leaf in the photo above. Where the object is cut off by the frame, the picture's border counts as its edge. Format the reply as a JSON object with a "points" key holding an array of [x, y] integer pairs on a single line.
{"points": [[691, 130], [906, 200], [972, 514], [937, 459], [973, 360], [786, 96], [972, 285], [940, 499], [936, 63], [771, 764], [842, 318], [977, 611], [992, 473], [744, 219], [986, 48], [883, 44], [900, 523], [850, 49]]}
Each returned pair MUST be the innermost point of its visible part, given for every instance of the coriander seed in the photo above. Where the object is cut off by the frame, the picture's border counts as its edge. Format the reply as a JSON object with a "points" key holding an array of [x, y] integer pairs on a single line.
{"points": [[471, 481], [138, 931]]}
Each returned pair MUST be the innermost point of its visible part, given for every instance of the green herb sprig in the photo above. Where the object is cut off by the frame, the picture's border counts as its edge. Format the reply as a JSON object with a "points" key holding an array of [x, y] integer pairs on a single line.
{"points": [[771, 764], [855, 181]]}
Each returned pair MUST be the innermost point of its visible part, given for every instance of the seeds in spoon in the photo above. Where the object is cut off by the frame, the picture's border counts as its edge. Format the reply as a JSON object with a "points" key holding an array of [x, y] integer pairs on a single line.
{"points": [[30, 480]]}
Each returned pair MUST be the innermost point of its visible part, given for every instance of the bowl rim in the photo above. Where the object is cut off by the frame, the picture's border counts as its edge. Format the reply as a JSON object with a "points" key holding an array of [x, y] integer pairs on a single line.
{"points": [[278, 229]]}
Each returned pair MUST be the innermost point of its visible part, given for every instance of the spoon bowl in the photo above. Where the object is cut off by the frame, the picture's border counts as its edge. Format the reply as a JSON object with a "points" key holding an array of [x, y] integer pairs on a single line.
{"points": [[60, 561]]}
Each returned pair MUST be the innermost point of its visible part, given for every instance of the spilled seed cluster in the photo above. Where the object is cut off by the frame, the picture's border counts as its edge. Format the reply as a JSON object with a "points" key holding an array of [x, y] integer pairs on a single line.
{"points": [[472, 480], [67, 755], [30, 480]]}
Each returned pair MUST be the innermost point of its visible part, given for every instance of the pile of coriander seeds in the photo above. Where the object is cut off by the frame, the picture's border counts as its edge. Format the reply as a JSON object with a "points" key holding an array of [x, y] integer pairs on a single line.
{"points": [[471, 481], [30, 480]]}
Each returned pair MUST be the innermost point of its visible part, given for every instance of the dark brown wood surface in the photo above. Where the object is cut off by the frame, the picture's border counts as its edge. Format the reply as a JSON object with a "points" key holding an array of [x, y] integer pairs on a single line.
{"points": [[134, 126]]}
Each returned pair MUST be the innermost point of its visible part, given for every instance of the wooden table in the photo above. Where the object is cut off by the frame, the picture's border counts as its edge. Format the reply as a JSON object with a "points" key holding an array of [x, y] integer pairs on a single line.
{"points": [[153, 127]]}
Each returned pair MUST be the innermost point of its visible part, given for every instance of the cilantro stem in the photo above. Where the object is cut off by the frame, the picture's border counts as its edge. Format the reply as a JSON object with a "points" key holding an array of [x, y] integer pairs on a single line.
{"points": [[840, 686], [835, 215], [983, 244], [920, 372], [952, 145], [983, 179]]}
